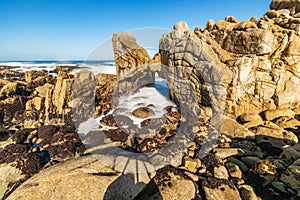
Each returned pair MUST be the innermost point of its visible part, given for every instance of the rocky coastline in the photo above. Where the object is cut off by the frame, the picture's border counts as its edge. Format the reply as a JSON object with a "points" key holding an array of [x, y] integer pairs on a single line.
{"points": [[233, 132]]}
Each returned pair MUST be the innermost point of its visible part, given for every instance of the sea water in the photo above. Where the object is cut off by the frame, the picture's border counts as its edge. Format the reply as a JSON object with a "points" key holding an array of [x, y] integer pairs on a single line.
{"points": [[102, 66]]}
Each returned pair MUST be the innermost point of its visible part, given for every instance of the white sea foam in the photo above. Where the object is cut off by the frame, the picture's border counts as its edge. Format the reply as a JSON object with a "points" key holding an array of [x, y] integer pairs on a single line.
{"points": [[107, 67], [25, 66], [144, 97]]}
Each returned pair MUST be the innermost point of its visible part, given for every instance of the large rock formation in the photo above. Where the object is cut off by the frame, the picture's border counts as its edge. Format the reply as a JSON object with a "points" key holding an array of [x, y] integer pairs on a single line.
{"points": [[194, 73], [77, 96], [129, 55], [134, 66], [256, 61]]}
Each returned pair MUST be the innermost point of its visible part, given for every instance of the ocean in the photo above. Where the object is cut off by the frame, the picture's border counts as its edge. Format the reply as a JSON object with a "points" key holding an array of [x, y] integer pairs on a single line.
{"points": [[96, 66]]}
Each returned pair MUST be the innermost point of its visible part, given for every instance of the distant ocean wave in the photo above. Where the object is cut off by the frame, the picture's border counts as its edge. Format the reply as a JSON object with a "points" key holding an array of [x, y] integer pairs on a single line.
{"points": [[94, 66]]}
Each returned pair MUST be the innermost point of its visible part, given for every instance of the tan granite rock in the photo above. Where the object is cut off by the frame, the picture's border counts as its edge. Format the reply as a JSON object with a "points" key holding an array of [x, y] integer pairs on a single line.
{"points": [[234, 170], [233, 129], [287, 122], [129, 55], [292, 5], [221, 172], [31, 75], [222, 191], [35, 104], [143, 112], [258, 83], [222, 153], [9, 89], [83, 177], [42, 90], [274, 131], [169, 183], [250, 117], [273, 114]]}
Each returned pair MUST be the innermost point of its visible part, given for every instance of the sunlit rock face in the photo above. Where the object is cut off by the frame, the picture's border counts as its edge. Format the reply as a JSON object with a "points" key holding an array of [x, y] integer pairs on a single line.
{"points": [[129, 55], [292, 5], [255, 62]]}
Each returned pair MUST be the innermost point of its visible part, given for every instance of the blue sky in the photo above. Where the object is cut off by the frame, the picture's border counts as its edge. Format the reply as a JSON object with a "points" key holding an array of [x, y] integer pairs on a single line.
{"points": [[61, 29]]}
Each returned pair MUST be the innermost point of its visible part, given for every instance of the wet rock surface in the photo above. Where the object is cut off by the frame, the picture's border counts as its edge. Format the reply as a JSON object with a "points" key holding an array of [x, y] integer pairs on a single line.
{"points": [[143, 112]]}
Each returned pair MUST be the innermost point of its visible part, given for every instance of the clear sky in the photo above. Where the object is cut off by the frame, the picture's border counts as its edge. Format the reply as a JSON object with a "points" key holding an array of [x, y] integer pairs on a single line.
{"points": [[71, 29]]}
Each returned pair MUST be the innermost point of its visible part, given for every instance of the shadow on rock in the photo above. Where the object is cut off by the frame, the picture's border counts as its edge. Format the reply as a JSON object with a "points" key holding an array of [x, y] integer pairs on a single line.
{"points": [[123, 188]]}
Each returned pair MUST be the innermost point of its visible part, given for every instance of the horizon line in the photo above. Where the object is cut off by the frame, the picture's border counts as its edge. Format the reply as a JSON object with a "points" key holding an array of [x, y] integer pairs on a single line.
{"points": [[28, 60]]}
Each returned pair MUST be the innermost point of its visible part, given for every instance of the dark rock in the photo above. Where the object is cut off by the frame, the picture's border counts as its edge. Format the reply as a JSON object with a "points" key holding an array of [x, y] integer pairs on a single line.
{"points": [[215, 183], [153, 123], [123, 121], [10, 106], [116, 135], [21, 135], [108, 120], [10, 74], [62, 146], [46, 132], [169, 108], [210, 161], [148, 145], [4, 135], [95, 138], [19, 154], [113, 120], [67, 128], [104, 92], [174, 117], [12, 151], [31, 163]]}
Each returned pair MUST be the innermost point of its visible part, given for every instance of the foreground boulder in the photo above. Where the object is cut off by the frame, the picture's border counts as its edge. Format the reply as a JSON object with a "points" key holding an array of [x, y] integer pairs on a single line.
{"points": [[84, 177]]}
